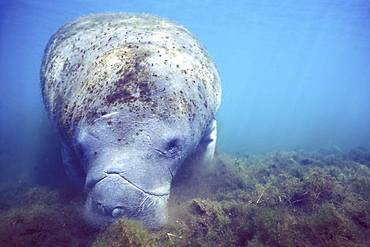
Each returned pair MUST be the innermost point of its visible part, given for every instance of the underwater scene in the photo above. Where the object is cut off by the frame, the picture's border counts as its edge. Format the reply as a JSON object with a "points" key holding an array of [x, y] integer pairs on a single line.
{"points": [[292, 159]]}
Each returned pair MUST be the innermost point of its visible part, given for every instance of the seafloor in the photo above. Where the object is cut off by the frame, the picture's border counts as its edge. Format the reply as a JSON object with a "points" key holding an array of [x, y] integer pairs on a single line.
{"points": [[279, 199]]}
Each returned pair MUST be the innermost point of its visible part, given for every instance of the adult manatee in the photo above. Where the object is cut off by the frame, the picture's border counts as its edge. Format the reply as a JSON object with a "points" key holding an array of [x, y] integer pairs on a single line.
{"points": [[131, 97]]}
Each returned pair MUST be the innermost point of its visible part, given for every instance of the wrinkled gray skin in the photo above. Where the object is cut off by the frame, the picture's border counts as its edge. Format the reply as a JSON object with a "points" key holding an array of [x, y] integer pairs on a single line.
{"points": [[131, 97]]}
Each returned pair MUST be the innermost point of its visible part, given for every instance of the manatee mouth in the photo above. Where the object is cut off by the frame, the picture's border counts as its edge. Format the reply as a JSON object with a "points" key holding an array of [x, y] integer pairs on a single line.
{"points": [[160, 191], [114, 196]]}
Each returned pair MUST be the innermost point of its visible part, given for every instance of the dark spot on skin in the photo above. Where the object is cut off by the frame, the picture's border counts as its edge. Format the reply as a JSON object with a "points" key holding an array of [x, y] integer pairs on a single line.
{"points": [[119, 72]]}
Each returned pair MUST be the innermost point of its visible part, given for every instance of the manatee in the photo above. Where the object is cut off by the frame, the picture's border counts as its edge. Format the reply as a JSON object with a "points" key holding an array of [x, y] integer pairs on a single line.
{"points": [[132, 97]]}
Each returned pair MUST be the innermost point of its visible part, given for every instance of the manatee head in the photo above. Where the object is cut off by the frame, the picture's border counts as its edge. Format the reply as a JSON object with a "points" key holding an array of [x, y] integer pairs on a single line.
{"points": [[129, 170]]}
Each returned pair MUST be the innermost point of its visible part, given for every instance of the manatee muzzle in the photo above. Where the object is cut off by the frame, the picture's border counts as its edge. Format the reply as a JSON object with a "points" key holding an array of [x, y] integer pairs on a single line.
{"points": [[113, 196]]}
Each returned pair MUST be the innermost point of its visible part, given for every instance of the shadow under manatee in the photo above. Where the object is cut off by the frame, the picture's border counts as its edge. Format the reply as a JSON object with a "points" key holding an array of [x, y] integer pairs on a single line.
{"points": [[30, 155], [189, 182], [48, 167]]}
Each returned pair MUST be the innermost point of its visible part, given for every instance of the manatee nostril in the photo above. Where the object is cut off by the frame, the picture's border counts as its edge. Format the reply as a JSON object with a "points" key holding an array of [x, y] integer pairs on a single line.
{"points": [[117, 212]]}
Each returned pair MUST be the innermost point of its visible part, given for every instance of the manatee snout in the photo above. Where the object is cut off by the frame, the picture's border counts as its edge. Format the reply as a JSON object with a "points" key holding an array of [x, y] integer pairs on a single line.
{"points": [[113, 196]]}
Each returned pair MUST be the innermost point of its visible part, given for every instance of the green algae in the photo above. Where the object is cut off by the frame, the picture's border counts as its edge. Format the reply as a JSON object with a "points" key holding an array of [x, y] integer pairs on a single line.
{"points": [[41, 217], [124, 233], [281, 199]]}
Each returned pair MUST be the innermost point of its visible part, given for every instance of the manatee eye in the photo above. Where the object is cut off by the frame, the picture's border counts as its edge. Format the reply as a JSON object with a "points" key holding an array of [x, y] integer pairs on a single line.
{"points": [[171, 148], [172, 145]]}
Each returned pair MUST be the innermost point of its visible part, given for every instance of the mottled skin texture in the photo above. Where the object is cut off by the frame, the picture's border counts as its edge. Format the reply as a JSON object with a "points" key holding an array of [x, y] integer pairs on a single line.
{"points": [[131, 96]]}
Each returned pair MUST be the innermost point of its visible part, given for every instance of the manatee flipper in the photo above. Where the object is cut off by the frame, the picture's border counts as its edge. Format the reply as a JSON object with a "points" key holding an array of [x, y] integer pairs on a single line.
{"points": [[72, 165], [205, 151]]}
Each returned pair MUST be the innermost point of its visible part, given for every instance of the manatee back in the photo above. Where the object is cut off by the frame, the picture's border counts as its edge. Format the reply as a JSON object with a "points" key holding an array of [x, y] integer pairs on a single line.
{"points": [[142, 65]]}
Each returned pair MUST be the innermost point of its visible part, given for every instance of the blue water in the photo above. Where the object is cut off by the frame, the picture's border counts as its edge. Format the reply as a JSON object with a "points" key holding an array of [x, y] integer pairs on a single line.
{"points": [[295, 74]]}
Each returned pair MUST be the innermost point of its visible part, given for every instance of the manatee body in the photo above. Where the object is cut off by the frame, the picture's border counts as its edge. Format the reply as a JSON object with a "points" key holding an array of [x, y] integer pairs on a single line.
{"points": [[131, 97]]}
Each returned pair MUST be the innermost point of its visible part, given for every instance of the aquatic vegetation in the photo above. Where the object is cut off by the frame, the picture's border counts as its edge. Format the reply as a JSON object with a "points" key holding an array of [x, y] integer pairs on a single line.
{"points": [[326, 227], [40, 218], [124, 233], [280, 199], [360, 154]]}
